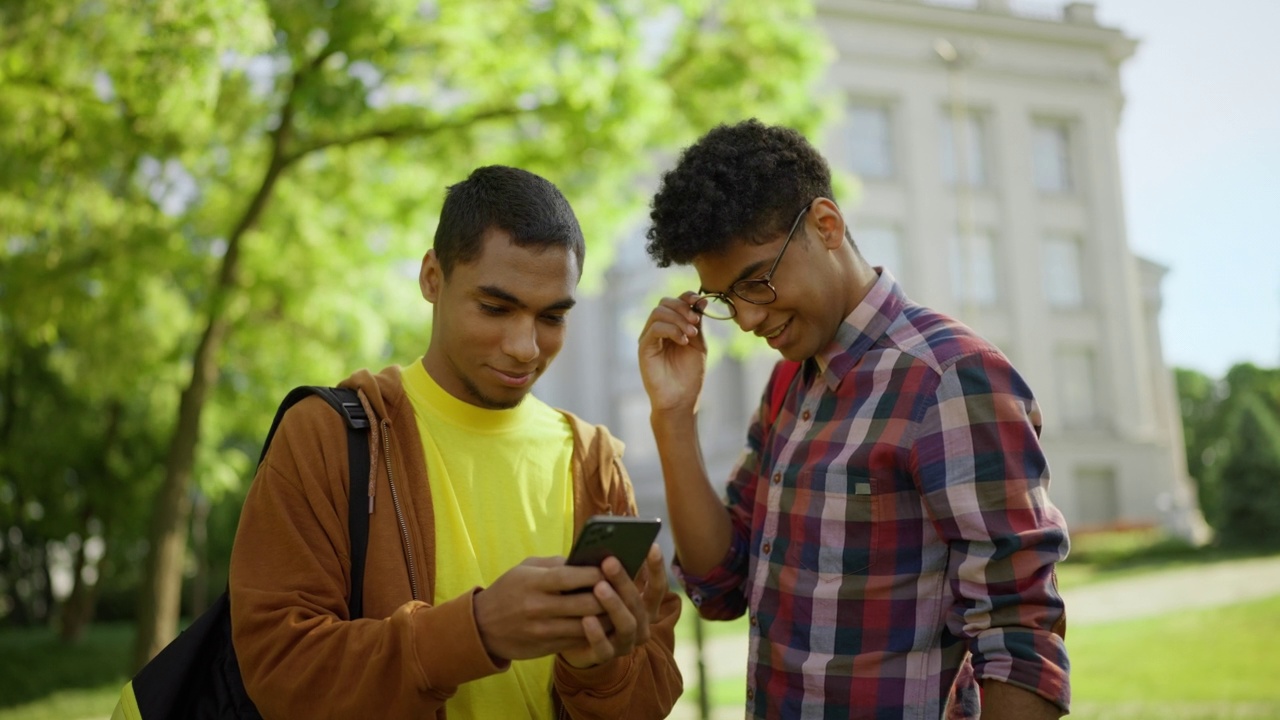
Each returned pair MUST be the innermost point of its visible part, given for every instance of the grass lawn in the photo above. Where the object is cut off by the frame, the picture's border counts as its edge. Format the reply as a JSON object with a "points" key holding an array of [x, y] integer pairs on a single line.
{"points": [[1217, 664], [1215, 658], [726, 672], [47, 680], [87, 704]]}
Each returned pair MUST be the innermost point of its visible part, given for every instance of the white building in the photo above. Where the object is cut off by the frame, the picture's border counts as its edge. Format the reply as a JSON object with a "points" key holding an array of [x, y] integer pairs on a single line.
{"points": [[1018, 229]]}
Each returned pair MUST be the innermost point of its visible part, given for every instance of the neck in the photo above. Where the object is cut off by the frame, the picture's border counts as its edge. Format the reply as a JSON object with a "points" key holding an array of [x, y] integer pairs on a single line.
{"points": [[861, 278]]}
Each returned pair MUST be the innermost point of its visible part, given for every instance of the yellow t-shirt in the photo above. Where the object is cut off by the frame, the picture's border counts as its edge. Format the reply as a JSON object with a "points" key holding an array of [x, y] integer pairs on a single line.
{"points": [[502, 490]]}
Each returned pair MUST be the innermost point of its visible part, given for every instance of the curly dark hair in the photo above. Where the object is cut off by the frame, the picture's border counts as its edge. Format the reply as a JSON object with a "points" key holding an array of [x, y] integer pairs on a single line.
{"points": [[739, 182]]}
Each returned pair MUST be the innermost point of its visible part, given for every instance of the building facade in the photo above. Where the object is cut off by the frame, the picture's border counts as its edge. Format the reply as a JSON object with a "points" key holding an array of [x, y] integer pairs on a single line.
{"points": [[982, 136]]}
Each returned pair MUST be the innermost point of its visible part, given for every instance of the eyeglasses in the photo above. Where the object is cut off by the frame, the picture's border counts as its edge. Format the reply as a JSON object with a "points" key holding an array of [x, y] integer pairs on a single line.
{"points": [[757, 291]]}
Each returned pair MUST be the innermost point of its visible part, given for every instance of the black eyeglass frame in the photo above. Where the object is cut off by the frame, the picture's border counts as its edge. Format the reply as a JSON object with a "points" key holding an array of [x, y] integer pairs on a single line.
{"points": [[765, 280]]}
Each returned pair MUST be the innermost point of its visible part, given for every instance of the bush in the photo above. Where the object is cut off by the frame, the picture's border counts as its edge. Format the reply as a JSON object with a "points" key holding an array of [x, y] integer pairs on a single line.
{"points": [[1249, 515]]}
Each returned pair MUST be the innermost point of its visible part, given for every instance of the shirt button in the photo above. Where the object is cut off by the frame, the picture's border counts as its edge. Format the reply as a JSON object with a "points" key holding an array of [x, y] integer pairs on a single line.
{"points": [[751, 694], [755, 620], [806, 415], [777, 478], [765, 549]]}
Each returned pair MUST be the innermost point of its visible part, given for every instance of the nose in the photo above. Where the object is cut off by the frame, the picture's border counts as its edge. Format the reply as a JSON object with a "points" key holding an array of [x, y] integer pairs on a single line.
{"points": [[521, 341], [749, 315]]}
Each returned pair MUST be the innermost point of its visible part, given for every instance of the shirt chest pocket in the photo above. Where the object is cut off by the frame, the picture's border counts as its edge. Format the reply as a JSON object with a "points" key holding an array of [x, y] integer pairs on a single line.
{"points": [[836, 511]]}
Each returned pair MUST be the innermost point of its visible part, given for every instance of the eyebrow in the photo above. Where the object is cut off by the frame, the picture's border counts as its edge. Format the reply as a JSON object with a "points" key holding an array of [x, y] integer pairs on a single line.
{"points": [[498, 293], [748, 272]]}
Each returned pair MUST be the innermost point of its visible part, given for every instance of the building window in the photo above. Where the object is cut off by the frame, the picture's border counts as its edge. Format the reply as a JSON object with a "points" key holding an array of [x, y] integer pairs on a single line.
{"points": [[1063, 279], [1052, 156], [973, 143], [1098, 498], [881, 245], [974, 275], [1077, 387], [871, 140]]}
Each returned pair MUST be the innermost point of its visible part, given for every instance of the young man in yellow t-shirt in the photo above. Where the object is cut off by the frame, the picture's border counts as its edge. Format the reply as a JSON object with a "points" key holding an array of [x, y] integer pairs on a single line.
{"points": [[476, 493]]}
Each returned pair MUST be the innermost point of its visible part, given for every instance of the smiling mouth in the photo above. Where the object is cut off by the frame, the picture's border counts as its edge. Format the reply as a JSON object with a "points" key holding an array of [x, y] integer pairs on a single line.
{"points": [[514, 378], [776, 331]]}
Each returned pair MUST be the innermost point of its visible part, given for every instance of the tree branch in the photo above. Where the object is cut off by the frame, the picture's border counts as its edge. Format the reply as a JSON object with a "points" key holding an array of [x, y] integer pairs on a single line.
{"points": [[408, 131]]}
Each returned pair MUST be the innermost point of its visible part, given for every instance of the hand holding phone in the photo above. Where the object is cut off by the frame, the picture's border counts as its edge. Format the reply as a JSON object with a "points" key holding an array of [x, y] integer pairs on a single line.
{"points": [[629, 606]]}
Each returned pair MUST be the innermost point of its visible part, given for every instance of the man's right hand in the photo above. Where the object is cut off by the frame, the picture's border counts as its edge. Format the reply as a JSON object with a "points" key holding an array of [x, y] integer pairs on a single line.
{"points": [[531, 610], [673, 355]]}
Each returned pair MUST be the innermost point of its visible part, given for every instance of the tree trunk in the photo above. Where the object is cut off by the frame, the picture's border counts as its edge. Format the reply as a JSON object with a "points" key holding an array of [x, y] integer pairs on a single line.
{"points": [[161, 593], [42, 602], [160, 601], [81, 606], [77, 611], [199, 601]]}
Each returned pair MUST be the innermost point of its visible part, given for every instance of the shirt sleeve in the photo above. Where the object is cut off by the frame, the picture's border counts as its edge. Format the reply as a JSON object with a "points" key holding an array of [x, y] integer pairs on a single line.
{"points": [[984, 480]]}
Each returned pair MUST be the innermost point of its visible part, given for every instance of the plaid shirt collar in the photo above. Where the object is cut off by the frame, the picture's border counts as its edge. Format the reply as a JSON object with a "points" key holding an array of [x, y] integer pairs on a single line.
{"points": [[858, 332]]}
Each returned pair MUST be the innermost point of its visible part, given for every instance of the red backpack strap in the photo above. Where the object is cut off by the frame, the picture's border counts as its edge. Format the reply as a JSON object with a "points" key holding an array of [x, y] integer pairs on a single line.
{"points": [[783, 373]]}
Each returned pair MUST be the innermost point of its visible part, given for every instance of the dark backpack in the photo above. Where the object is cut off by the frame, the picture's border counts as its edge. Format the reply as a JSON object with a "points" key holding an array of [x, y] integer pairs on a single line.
{"points": [[197, 677]]}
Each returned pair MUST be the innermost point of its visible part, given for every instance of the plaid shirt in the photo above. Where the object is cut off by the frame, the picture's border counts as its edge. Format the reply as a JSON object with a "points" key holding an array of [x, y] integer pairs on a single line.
{"points": [[893, 538]]}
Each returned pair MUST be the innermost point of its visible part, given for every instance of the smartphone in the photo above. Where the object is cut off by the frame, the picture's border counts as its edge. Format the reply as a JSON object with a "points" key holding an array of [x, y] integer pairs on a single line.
{"points": [[621, 536]]}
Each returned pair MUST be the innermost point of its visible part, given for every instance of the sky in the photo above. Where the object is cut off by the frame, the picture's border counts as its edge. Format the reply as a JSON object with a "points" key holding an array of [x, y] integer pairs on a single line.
{"points": [[1200, 158]]}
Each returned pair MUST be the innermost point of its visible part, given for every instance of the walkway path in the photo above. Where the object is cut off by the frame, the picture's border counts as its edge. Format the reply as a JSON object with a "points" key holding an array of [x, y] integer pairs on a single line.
{"points": [[1188, 588]]}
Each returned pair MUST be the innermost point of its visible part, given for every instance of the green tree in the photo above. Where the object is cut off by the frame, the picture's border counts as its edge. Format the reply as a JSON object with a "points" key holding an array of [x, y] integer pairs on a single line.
{"points": [[206, 201], [1250, 478], [1210, 410], [1249, 380], [1199, 398]]}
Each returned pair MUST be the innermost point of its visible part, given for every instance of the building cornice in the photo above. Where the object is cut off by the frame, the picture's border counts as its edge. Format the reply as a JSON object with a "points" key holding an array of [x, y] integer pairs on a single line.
{"points": [[1116, 46]]}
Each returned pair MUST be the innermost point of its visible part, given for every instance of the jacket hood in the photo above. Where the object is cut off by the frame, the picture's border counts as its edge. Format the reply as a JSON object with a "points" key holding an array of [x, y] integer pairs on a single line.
{"points": [[383, 391]]}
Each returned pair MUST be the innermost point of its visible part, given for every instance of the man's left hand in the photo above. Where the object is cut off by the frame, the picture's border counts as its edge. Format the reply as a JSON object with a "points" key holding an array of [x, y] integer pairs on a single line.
{"points": [[630, 606]]}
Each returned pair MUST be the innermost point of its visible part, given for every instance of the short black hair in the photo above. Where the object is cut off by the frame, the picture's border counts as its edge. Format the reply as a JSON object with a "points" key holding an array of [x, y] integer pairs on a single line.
{"points": [[528, 206], [739, 182]]}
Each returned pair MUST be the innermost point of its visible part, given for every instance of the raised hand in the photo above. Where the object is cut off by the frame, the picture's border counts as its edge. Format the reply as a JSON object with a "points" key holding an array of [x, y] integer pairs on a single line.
{"points": [[673, 354]]}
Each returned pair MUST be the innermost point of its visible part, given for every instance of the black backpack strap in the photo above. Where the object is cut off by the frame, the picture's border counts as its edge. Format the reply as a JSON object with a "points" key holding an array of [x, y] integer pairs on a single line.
{"points": [[346, 402]]}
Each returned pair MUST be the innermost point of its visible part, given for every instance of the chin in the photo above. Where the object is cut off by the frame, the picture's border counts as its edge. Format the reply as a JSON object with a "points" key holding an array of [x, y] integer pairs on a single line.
{"points": [[502, 399], [501, 402], [798, 352], [792, 355]]}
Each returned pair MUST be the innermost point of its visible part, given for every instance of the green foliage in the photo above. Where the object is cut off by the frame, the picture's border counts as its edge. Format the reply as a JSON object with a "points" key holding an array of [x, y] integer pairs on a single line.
{"points": [[71, 467], [1198, 398], [1211, 413], [276, 166], [1250, 509]]}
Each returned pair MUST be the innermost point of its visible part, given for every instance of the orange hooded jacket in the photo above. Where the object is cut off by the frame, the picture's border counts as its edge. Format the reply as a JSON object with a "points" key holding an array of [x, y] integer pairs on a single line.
{"points": [[299, 654]]}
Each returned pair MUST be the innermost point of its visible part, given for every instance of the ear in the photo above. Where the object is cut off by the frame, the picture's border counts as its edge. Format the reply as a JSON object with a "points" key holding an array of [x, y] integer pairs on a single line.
{"points": [[430, 277], [829, 221]]}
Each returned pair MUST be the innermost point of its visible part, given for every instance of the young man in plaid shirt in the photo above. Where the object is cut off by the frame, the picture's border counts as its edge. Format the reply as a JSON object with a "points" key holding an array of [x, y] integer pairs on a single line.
{"points": [[889, 532]]}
